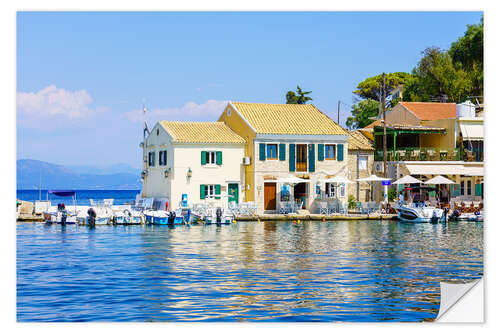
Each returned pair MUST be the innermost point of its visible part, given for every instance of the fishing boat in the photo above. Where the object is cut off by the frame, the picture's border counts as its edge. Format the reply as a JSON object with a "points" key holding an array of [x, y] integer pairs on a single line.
{"points": [[100, 212], [418, 211]]}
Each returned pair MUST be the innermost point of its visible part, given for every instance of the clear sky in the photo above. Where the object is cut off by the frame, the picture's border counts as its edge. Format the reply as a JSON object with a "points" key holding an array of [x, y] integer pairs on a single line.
{"points": [[82, 77]]}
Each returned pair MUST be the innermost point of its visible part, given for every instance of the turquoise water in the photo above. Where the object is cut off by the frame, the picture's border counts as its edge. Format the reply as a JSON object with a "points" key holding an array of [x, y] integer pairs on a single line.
{"points": [[249, 271]]}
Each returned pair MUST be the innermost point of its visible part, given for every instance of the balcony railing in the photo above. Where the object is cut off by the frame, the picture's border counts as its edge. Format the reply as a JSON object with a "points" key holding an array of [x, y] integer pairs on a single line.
{"points": [[420, 154]]}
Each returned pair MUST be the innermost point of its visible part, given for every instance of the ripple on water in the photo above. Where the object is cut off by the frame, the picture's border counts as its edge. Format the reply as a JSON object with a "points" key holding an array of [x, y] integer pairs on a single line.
{"points": [[272, 271]]}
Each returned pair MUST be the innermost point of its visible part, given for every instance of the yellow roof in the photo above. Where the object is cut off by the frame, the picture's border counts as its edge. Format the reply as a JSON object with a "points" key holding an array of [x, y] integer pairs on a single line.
{"points": [[358, 141], [201, 132], [288, 119]]}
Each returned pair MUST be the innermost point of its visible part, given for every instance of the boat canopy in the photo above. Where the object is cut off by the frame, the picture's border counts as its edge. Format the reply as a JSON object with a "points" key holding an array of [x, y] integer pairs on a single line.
{"points": [[62, 193]]}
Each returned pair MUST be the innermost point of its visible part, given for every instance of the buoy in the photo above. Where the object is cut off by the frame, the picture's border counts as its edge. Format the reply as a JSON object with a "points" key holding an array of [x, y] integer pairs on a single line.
{"points": [[298, 221], [324, 219]]}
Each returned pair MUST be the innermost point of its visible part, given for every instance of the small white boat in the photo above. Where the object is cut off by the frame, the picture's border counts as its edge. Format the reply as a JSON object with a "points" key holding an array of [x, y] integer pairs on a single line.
{"points": [[127, 217], [419, 213], [219, 216]]}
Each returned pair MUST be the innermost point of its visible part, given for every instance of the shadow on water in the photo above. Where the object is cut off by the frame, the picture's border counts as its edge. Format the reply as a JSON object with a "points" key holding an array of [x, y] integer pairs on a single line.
{"points": [[254, 271]]}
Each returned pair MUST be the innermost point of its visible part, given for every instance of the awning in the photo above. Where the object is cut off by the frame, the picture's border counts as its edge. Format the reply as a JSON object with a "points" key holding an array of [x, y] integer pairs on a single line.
{"points": [[472, 132], [62, 193], [443, 169]]}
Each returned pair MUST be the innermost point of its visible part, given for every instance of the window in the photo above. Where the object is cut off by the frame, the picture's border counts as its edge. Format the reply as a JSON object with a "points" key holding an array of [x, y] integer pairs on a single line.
{"points": [[469, 187], [330, 190], [272, 151], [151, 158], [462, 189], [330, 152], [342, 190], [363, 162], [210, 191], [211, 155], [163, 157]]}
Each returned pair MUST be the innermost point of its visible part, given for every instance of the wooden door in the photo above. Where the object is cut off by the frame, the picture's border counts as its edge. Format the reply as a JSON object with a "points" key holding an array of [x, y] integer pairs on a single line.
{"points": [[301, 158], [269, 196]]}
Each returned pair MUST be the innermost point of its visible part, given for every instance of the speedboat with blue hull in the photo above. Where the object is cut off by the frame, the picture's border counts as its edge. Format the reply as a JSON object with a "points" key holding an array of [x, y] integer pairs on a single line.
{"points": [[127, 217], [162, 217]]}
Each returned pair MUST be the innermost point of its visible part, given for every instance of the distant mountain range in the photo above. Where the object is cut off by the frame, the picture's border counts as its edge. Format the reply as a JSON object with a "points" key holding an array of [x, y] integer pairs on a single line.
{"points": [[55, 176]]}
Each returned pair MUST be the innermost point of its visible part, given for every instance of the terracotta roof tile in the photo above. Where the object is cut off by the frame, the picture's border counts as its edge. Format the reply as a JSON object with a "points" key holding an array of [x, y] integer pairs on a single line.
{"points": [[431, 111]]}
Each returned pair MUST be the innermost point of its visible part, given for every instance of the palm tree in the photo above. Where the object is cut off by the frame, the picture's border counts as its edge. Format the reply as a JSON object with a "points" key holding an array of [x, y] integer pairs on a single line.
{"points": [[299, 97]]}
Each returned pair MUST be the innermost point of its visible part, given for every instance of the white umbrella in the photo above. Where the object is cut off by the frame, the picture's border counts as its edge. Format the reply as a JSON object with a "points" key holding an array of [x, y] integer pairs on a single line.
{"points": [[292, 180], [337, 179], [439, 180], [407, 180], [373, 178]]}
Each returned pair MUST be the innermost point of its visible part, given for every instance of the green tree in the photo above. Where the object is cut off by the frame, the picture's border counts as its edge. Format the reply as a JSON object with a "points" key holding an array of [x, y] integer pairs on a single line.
{"points": [[362, 112], [299, 97], [437, 77], [370, 87]]}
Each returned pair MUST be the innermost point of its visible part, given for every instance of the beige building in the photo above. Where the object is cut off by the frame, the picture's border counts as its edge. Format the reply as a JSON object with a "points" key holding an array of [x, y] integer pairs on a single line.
{"points": [[360, 164], [284, 140], [200, 159]]}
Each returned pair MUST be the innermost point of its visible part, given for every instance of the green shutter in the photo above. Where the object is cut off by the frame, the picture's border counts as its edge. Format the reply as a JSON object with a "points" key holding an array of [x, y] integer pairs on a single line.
{"points": [[478, 189], [203, 157], [218, 158], [217, 191], [455, 190], [291, 157], [340, 152], [262, 151], [321, 152], [153, 158], [312, 158], [202, 191], [282, 152]]}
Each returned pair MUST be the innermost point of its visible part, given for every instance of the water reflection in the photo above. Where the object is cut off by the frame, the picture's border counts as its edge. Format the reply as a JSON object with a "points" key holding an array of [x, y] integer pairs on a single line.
{"points": [[274, 271]]}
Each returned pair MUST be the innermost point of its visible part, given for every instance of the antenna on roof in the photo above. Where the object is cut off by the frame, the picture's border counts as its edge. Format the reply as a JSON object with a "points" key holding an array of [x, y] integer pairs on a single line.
{"points": [[145, 129]]}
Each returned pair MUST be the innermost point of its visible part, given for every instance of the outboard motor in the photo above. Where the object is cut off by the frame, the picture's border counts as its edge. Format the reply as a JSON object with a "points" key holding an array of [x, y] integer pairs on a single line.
{"points": [[218, 215], [434, 218], [91, 217], [454, 216], [171, 218], [64, 216], [445, 214]]}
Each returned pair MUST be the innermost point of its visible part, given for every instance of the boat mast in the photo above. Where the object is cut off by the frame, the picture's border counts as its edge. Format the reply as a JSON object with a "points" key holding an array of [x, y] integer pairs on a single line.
{"points": [[40, 187]]}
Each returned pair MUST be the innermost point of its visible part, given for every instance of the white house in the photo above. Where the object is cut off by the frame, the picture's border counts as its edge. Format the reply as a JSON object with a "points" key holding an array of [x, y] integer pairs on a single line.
{"points": [[200, 159]]}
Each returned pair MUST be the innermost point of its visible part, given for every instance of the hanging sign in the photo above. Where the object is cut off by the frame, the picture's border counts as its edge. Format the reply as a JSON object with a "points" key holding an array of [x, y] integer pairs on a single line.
{"points": [[386, 182]]}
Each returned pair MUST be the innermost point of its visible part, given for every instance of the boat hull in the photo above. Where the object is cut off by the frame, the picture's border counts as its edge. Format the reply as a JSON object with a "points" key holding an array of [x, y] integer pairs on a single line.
{"points": [[420, 214]]}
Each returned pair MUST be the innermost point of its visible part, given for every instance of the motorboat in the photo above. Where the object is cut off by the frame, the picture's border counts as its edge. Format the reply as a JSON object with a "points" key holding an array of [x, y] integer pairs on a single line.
{"points": [[418, 212], [219, 216], [127, 217], [99, 213], [162, 217], [60, 216]]}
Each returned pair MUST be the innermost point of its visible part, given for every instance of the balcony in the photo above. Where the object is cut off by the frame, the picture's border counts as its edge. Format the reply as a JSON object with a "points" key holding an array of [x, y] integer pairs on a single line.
{"points": [[421, 154]]}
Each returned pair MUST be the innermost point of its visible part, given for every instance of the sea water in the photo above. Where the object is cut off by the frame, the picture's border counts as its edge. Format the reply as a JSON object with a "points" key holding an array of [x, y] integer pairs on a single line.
{"points": [[247, 271]]}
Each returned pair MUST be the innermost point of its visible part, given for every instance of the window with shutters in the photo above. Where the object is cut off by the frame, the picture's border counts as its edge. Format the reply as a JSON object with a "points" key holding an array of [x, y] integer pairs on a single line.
{"points": [[330, 190], [363, 162], [211, 157], [330, 152], [469, 187], [272, 151], [210, 191], [163, 157]]}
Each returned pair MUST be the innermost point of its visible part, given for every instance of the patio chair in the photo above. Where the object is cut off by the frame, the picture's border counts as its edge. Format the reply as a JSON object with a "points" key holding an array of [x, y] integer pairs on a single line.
{"points": [[343, 208], [359, 207], [251, 208], [323, 207], [297, 207], [365, 208], [332, 207], [283, 207], [415, 155]]}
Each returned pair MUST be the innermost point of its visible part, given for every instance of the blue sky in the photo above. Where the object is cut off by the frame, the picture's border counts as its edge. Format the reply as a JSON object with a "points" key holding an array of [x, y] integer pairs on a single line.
{"points": [[82, 77]]}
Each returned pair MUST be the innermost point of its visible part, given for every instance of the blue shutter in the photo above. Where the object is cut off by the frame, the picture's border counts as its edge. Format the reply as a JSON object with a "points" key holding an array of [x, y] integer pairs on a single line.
{"points": [[282, 152], [312, 158], [321, 152], [291, 157], [340, 152], [262, 151]]}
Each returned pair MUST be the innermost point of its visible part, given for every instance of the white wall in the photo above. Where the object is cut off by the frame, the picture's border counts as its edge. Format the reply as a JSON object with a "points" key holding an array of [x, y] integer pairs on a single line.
{"points": [[189, 156]]}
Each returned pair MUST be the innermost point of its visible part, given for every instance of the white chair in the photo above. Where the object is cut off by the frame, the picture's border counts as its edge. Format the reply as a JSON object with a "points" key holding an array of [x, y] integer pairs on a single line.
{"points": [[333, 207], [283, 207], [323, 207], [343, 208]]}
